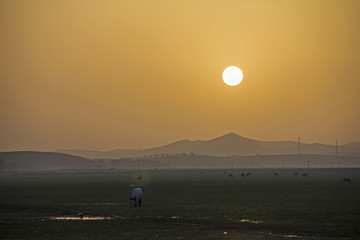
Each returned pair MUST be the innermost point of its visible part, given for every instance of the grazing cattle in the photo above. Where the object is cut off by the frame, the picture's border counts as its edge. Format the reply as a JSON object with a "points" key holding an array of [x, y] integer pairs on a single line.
{"points": [[295, 174], [305, 175], [136, 197], [242, 175], [346, 180], [230, 175], [248, 174], [139, 177], [276, 174]]}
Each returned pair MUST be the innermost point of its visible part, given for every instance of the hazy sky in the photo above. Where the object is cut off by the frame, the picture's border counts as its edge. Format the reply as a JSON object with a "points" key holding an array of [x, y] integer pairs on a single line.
{"points": [[123, 74]]}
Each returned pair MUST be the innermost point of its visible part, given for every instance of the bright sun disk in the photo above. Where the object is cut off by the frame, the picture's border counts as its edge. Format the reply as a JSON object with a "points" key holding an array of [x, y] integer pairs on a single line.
{"points": [[232, 76]]}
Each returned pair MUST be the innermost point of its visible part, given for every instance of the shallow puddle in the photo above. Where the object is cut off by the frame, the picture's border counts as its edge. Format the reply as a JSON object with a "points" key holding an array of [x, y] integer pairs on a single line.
{"points": [[249, 221], [292, 236], [81, 218]]}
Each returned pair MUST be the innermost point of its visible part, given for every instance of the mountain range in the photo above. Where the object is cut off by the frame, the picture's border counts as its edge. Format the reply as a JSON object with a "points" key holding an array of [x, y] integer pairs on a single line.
{"points": [[227, 145], [41, 161]]}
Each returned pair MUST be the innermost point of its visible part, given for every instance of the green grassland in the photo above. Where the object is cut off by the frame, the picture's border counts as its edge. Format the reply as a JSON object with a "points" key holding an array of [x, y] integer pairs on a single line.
{"points": [[182, 204]]}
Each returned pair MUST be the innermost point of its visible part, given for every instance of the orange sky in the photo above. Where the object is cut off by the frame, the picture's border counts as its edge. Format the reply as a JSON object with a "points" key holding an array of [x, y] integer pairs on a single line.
{"points": [[123, 74]]}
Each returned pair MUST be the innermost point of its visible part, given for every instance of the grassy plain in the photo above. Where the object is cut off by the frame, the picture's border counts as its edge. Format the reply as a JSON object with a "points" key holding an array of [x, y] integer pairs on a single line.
{"points": [[182, 204]]}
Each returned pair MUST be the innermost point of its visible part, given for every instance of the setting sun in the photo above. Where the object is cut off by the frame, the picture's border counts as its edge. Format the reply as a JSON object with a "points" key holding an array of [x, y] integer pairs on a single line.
{"points": [[232, 76]]}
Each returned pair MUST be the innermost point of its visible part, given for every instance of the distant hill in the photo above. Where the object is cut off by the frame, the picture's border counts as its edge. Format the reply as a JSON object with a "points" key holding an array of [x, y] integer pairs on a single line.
{"points": [[226, 145], [93, 154], [39, 161], [50, 161]]}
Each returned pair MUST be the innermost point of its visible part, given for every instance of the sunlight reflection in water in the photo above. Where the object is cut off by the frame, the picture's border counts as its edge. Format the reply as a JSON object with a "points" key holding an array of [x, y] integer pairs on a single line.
{"points": [[249, 221], [80, 218], [292, 236]]}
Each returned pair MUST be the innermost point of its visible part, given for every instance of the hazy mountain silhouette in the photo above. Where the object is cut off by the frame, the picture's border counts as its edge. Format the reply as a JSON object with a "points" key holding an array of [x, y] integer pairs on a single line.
{"points": [[39, 161], [229, 144], [95, 154]]}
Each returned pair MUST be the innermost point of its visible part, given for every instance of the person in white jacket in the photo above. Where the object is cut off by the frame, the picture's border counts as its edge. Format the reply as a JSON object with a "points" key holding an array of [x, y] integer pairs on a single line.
{"points": [[136, 197]]}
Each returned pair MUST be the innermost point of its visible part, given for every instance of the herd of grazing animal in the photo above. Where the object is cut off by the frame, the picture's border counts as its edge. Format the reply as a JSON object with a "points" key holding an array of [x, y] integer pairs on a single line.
{"points": [[137, 192], [242, 174], [276, 174], [294, 174], [231, 175]]}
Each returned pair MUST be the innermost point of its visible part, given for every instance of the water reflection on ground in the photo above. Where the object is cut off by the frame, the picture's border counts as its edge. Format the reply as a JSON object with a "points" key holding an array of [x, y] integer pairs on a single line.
{"points": [[81, 218], [89, 218], [249, 221], [292, 236]]}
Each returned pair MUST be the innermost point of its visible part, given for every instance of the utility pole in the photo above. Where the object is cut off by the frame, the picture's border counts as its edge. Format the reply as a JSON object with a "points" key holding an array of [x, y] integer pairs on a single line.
{"points": [[336, 152], [336, 149], [308, 166], [299, 146]]}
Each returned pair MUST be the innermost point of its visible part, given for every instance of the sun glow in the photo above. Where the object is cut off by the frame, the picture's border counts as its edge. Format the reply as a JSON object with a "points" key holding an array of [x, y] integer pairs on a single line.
{"points": [[232, 76]]}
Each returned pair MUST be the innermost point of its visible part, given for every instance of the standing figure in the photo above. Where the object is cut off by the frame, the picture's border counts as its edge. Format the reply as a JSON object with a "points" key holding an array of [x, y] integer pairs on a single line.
{"points": [[136, 197]]}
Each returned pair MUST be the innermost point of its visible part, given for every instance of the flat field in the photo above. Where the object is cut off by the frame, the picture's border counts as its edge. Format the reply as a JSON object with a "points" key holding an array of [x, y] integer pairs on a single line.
{"points": [[181, 204]]}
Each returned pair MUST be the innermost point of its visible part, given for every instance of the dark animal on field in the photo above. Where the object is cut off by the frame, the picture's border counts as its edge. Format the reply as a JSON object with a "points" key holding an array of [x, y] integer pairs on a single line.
{"points": [[346, 180], [295, 174], [276, 174], [139, 177], [242, 175], [230, 175], [305, 175], [248, 173]]}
